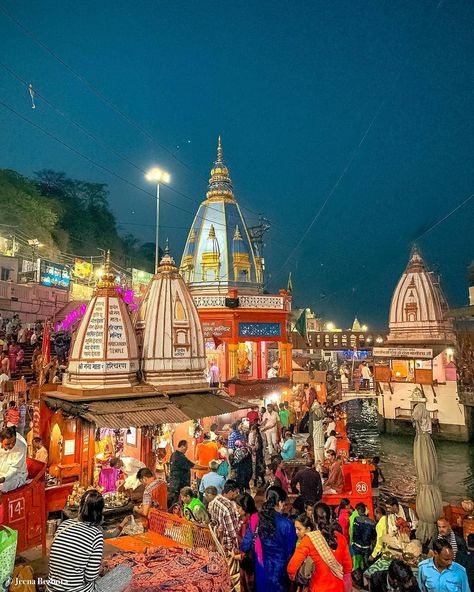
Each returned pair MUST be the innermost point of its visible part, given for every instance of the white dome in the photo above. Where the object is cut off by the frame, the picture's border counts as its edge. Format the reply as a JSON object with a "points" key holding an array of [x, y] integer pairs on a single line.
{"points": [[173, 354], [104, 352], [417, 311]]}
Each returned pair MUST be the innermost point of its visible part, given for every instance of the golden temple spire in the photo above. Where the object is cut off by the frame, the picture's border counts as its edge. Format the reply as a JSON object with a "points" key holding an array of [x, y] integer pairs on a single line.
{"points": [[220, 185], [107, 279]]}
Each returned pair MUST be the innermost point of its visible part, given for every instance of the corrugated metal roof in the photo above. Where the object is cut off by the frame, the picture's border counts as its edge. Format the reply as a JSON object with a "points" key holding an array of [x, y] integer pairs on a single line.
{"points": [[147, 411], [206, 405], [123, 413]]}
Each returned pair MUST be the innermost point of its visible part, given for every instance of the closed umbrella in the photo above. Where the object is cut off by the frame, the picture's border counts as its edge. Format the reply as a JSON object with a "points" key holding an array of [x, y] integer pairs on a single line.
{"points": [[429, 504]]}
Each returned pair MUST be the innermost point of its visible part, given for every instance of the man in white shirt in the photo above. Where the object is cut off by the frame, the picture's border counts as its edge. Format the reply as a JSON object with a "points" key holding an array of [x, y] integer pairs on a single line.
{"points": [[13, 452], [331, 442], [270, 428], [366, 376], [129, 467], [330, 426]]}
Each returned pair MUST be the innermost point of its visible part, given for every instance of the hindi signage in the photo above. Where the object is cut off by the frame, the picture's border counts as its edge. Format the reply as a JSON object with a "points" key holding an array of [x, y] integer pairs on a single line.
{"points": [[413, 353], [54, 275], [217, 329]]}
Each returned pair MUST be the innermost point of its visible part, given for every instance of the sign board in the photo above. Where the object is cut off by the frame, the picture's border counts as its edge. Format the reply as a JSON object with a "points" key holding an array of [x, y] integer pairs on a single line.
{"points": [[69, 447], [140, 281], [83, 269], [80, 292], [414, 353], [217, 328], [54, 275]]}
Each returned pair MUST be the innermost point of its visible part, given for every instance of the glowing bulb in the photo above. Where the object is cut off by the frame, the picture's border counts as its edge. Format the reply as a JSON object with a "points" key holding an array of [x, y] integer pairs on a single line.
{"points": [[450, 351], [330, 326], [158, 176]]}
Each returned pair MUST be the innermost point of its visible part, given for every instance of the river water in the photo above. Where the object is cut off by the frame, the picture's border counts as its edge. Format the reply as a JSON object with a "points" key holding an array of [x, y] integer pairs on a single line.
{"points": [[456, 460]]}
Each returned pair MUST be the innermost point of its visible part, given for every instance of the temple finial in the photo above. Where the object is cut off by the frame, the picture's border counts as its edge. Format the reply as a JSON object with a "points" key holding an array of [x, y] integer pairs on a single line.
{"points": [[107, 262], [167, 247], [219, 149], [107, 279]]}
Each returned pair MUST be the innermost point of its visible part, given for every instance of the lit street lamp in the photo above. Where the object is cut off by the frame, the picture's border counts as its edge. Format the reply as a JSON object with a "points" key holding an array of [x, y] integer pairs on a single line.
{"points": [[158, 176]]}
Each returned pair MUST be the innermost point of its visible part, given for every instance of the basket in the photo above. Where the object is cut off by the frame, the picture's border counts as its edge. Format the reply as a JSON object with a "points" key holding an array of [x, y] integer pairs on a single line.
{"points": [[180, 530]]}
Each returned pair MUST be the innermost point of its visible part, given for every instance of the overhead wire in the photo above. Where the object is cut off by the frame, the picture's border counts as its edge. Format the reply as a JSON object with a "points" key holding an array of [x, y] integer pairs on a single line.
{"points": [[98, 93], [106, 100], [92, 136]]}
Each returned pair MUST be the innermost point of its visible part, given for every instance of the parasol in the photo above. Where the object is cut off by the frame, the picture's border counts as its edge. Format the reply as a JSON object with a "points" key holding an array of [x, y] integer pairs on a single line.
{"points": [[429, 504], [46, 347]]}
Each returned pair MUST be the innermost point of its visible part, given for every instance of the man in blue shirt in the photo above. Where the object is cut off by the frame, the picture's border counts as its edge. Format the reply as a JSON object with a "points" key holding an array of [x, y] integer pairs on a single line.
{"points": [[288, 451], [441, 573], [212, 478]]}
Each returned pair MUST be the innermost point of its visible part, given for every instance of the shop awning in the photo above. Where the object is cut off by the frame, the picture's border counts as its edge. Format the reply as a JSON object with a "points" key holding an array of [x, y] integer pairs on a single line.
{"points": [[195, 406], [146, 411]]}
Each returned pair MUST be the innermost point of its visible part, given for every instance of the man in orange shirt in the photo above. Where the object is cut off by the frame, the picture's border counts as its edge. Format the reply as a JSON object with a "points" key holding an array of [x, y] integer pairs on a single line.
{"points": [[205, 452]]}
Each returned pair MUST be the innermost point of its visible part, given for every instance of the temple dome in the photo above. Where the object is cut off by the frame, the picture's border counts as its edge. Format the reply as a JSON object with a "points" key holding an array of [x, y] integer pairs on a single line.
{"points": [[418, 308], [173, 354], [104, 352], [219, 254]]}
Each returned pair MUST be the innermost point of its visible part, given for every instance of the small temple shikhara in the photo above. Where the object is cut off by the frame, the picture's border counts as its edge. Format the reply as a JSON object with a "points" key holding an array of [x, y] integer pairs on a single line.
{"points": [[418, 308], [245, 330], [416, 361]]}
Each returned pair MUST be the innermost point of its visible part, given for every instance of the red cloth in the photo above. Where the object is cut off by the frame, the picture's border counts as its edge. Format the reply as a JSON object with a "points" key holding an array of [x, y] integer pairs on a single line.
{"points": [[323, 579], [253, 416]]}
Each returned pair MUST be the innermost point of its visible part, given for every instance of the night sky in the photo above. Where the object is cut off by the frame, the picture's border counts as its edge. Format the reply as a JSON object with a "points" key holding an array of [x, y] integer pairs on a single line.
{"points": [[364, 106]]}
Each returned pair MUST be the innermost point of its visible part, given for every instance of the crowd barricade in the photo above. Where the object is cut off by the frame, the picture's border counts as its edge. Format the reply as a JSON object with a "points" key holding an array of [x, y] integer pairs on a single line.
{"points": [[357, 486], [180, 530]]}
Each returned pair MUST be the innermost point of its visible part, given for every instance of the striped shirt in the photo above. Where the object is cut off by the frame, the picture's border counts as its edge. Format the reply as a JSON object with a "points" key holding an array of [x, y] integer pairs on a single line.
{"points": [[75, 557], [148, 493]]}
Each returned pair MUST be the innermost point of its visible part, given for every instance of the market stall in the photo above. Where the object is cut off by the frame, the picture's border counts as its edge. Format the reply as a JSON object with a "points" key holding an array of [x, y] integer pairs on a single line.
{"points": [[174, 554]]}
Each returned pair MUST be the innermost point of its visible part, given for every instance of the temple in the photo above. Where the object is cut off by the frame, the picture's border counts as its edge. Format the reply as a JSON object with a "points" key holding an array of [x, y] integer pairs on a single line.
{"points": [[219, 253], [104, 352], [173, 355], [418, 309], [416, 362], [245, 330]]}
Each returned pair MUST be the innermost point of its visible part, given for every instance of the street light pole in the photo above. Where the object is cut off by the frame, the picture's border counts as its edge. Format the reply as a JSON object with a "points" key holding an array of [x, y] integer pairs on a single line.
{"points": [[157, 176], [157, 243]]}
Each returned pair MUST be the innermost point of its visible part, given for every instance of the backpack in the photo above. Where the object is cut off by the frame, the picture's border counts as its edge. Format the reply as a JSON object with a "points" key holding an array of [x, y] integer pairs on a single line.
{"points": [[240, 454], [363, 534]]}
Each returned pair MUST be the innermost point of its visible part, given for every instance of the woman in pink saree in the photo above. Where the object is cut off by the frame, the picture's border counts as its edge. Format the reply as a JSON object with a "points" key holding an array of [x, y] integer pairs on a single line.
{"points": [[12, 355]]}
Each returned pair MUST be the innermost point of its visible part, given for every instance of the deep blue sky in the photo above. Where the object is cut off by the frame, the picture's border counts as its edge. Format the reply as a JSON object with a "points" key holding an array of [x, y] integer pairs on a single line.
{"points": [[292, 87]]}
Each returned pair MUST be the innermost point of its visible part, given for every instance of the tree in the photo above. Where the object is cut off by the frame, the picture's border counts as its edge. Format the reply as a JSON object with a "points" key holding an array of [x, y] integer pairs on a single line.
{"points": [[26, 209]]}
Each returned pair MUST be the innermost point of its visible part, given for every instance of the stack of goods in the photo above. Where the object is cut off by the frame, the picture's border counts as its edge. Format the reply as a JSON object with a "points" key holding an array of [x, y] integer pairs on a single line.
{"points": [[78, 491], [175, 570]]}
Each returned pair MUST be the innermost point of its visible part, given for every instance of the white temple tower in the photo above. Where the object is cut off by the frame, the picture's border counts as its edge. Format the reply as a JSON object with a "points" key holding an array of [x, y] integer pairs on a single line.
{"points": [[104, 353], [219, 253], [418, 308], [173, 354]]}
